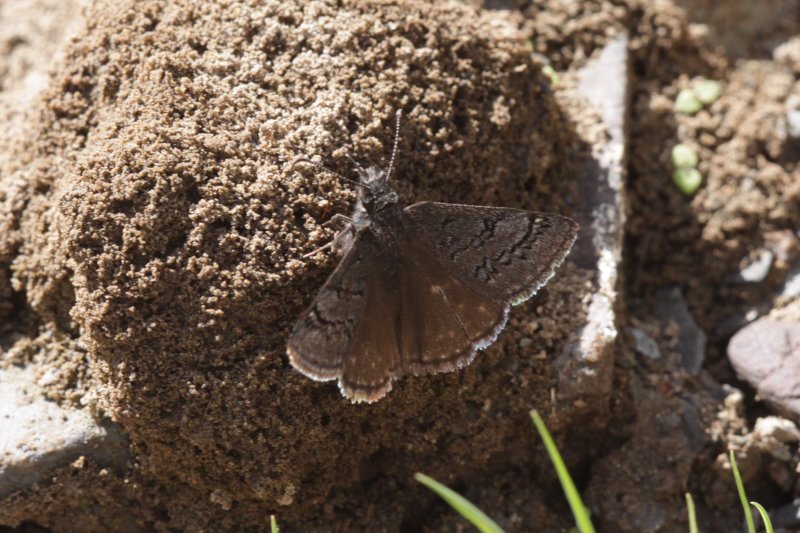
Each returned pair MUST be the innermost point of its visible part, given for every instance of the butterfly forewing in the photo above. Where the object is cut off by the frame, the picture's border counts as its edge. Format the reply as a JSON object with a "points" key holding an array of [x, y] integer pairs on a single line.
{"points": [[320, 340], [498, 252]]}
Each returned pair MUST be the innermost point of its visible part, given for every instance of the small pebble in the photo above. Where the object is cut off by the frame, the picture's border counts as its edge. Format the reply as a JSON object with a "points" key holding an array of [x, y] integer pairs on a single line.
{"points": [[791, 287], [644, 344], [793, 123], [778, 428], [671, 307], [756, 271]]}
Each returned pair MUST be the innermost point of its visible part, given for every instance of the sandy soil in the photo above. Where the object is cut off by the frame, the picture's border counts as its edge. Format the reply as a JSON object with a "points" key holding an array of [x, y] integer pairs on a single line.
{"points": [[151, 251]]}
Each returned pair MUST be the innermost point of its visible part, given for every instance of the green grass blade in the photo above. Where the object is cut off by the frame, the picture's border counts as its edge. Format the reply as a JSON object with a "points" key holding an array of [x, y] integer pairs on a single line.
{"points": [[273, 524], [764, 516], [692, 514], [461, 504], [579, 510], [748, 515]]}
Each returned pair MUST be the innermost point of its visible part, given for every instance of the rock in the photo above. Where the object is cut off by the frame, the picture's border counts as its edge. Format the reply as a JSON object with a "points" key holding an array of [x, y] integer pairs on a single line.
{"points": [[778, 428], [38, 436], [756, 271], [664, 443], [787, 516], [585, 365], [644, 343], [671, 307], [766, 354]]}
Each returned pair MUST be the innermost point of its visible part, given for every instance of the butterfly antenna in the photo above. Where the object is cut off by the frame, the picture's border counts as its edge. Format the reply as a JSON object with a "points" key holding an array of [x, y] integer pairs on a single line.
{"points": [[303, 159], [396, 141]]}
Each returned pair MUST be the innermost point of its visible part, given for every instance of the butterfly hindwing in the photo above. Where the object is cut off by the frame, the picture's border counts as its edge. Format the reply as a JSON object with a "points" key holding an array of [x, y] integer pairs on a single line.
{"points": [[443, 320], [373, 357], [348, 332]]}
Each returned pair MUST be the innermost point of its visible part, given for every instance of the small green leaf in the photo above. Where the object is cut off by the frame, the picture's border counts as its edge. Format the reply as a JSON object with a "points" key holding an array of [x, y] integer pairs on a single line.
{"points": [[273, 524], [461, 504], [692, 514], [706, 91], [748, 515], [684, 156], [551, 74], [688, 180], [687, 103], [579, 510], [764, 516]]}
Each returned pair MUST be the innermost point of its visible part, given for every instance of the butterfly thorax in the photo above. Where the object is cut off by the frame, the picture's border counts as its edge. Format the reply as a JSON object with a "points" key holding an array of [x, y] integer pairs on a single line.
{"points": [[377, 208], [377, 211]]}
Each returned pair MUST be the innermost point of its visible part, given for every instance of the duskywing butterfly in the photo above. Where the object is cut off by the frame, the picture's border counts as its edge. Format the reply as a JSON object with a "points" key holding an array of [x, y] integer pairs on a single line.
{"points": [[420, 289]]}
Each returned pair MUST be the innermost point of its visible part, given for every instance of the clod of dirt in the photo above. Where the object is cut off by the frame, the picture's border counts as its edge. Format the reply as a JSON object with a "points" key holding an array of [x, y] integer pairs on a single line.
{"points": [[775, 434], [151, 219]]}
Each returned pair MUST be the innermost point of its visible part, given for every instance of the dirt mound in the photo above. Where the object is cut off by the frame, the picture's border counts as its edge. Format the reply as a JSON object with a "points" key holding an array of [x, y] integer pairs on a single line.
{"points": [[156, 231]]}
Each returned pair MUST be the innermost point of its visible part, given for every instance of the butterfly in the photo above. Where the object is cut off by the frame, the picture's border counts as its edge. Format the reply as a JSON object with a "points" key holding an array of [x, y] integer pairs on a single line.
{"points": [[420, 289]]}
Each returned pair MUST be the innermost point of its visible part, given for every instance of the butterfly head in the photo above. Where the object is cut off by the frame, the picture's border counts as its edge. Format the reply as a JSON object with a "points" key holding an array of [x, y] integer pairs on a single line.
{"points": [[375, 193]]}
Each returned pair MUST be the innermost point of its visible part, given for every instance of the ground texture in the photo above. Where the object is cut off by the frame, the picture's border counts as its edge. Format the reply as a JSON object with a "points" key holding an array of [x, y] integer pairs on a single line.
{"points": [[152, 243]]}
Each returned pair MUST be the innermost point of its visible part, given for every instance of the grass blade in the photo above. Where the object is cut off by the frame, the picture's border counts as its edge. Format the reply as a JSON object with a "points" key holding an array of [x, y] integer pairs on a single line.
{"points": [[273, 524], [692, 514], [764, 516], [461, 504], [579, 510], [748, 515]]}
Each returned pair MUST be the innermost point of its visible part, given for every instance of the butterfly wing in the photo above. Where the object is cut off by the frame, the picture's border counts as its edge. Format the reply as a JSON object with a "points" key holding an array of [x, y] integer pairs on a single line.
{"points": [[320, 338], [430, 304], [443, 321], [348, 332], [500, 253], [373, 358]]}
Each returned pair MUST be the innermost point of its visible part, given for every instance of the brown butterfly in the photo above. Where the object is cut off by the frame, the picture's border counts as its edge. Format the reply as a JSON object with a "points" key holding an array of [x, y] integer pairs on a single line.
{"points": [[420, 289]]}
